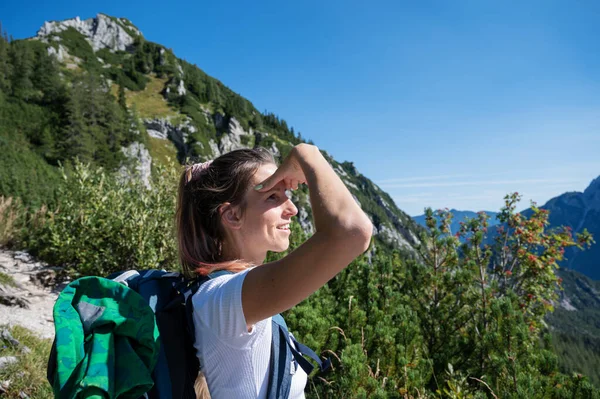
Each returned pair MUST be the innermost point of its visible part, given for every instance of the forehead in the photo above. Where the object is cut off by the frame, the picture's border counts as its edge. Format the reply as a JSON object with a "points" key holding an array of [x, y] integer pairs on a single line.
{"points": [[263, 172]]}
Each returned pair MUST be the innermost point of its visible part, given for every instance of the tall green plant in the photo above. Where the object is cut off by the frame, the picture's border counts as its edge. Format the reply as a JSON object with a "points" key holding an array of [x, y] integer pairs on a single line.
{"points": [[102, 225]]}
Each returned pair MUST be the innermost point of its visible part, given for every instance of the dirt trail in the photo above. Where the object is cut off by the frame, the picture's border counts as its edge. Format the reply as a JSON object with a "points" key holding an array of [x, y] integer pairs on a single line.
{"points": [[30, 303]]}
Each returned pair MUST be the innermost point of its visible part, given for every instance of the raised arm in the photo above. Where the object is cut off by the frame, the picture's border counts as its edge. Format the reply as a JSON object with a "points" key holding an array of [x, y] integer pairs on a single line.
{"points": [[343, 232]]}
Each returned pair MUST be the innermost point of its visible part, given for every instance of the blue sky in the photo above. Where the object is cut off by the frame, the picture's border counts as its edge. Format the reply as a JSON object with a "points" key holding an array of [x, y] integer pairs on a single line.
{"points": [[442, 103]]}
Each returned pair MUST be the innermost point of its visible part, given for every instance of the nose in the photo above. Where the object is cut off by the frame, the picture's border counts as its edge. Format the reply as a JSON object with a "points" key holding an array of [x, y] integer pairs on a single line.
{"points": [[290, 208]]}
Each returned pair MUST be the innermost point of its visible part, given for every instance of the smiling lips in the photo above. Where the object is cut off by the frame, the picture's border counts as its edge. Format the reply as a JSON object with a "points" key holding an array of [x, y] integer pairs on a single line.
{"points": [[285, 227]]}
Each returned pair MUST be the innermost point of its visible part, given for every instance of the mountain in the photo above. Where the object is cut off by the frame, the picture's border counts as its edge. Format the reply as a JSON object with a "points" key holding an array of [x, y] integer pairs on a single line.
{"points": [[460, 216], [578, 210], [97, 90]]}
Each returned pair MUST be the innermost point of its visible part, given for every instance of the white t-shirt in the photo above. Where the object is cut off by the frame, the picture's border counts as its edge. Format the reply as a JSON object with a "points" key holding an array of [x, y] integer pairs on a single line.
{"points": [[234, 361]]}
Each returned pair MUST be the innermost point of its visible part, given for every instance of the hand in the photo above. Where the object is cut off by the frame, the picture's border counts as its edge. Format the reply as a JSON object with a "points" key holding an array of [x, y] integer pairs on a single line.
{"points": [[290, 171]]}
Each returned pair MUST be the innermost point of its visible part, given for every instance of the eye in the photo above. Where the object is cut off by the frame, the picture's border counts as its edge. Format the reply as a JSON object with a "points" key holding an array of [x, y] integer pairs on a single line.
{"points": [[272, 196]]}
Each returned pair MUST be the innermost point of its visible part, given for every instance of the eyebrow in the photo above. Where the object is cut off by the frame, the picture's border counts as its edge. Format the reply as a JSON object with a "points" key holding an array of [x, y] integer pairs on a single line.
{"points": [[273, 189]]}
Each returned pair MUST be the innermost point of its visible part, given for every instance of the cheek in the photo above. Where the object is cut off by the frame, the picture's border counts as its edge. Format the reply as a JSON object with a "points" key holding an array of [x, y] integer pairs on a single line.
{"points": [[260, 220], [270, 219]]}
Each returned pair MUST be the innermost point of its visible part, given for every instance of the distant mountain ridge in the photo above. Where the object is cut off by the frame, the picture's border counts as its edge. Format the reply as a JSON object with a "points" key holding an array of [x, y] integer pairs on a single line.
{"points": [[460, 216]]}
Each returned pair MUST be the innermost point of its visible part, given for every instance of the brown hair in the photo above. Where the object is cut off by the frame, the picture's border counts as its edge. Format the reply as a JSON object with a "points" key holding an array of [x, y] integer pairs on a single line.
{"points": [[200, 233]]}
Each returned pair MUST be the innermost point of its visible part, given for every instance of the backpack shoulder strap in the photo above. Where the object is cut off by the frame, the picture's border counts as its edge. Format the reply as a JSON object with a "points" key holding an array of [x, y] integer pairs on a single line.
{"points": [[284, 356], [280, 377]]}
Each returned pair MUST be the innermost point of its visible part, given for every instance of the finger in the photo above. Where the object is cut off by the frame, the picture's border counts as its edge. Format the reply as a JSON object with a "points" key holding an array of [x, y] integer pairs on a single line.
{"points": [[268, 183]]}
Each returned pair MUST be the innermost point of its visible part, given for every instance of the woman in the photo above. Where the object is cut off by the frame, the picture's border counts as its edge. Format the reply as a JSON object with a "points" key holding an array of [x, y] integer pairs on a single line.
{"points": [[230, 213]]}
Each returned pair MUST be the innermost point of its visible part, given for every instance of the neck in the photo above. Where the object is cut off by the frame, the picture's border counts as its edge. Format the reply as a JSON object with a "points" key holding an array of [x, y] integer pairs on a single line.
{"points": [[232, 252]]}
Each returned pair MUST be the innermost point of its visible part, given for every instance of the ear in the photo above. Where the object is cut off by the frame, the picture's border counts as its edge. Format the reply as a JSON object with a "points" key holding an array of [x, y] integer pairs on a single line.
{"points": [[230, 216]]}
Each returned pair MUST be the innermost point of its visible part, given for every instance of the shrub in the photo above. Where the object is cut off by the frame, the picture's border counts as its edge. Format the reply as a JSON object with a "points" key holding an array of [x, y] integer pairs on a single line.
{"points": [[104, 225]]}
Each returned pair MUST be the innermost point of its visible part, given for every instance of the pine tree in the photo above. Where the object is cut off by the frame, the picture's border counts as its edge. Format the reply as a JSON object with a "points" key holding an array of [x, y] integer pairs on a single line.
{"points": [[77, 138], [22, 59], [46, 78]]}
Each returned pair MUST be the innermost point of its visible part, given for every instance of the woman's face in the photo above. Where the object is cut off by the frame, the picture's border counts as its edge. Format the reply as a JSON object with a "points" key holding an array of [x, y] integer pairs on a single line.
{"points": [[266, 220]]}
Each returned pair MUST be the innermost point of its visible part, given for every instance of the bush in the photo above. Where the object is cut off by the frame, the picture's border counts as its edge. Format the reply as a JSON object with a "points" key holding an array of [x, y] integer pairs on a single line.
{"points": [[103, 225]]}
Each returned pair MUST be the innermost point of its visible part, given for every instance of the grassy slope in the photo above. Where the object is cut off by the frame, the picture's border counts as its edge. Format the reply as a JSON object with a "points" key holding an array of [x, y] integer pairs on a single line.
{"points": [[28, 375]]}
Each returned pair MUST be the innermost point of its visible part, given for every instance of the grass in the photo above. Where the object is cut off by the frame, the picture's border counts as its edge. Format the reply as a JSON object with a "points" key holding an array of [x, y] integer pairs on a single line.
{"points": [[148, 102], [10, 211], [7, 280], [161, 150], [28, 375]]}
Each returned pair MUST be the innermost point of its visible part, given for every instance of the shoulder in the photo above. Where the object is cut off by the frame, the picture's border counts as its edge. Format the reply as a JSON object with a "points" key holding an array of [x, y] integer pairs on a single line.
{"points": [[218, 305], [222, 283]]}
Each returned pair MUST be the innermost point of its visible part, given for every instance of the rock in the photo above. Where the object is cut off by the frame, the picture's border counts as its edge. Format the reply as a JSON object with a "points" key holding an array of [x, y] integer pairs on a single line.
{"points": [[400, 233], [181, 88], [305, 221], [138, 153], [61, 54], [74, 64], [232, 139], [158, 134], [8, 299], [7, 360], [101, 31], [392, 236], [23, 256], [6, 336], [214, 147], [340, 171], [4, 385], [350, 184], [274, 150], [163, 128], [45, 278]]}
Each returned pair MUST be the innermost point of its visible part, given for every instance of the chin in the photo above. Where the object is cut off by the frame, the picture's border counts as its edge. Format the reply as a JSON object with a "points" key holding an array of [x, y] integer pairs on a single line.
{"points": [[281, 248]]}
